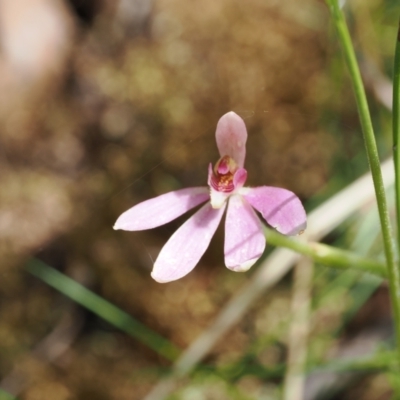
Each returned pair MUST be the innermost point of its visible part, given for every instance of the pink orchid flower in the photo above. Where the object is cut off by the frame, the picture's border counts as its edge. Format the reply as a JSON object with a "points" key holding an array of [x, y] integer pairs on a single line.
{"points": [[244, 237]]}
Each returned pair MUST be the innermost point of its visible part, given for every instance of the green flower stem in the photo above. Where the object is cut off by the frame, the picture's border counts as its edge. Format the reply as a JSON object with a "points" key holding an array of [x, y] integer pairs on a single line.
{"points": [[396, 127], [373, 159], [103, 309], [327, 255]]}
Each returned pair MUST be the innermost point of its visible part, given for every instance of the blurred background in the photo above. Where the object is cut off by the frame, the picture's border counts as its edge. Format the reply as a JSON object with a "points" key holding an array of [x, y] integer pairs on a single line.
{"points": [[107, 103]]}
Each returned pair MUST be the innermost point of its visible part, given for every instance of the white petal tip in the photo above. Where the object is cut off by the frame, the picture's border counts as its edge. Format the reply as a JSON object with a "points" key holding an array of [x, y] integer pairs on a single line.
{"points": [[124, 226], [159, 279], [245, 266], [120, 226], [231, 114], [299, 230], [296, 231]]}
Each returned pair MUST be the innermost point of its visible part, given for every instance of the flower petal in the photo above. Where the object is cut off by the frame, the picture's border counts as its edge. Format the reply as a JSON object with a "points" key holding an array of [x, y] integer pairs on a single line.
{"points": [[244, 238], [281, 208], [231, 136], [161, 209], [186, 246], [239, 179]]}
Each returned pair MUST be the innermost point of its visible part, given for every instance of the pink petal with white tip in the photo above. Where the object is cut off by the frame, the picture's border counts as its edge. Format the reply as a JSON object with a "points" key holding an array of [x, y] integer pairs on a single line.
{"points": [[161, 209], [231, 136], [281, 208], [186, 246], [244, 238]]}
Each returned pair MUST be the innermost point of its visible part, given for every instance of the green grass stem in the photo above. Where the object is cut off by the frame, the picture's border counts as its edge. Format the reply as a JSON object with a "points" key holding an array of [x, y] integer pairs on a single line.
{"points": [[396, 127], [103, 309], [373, 159]]}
